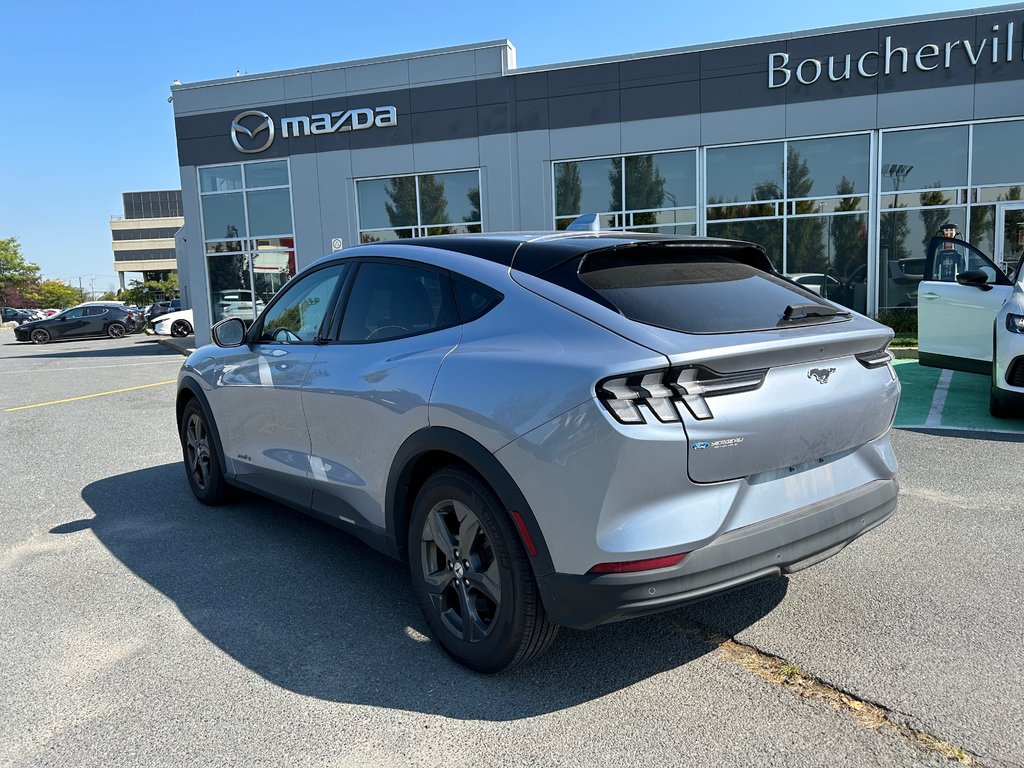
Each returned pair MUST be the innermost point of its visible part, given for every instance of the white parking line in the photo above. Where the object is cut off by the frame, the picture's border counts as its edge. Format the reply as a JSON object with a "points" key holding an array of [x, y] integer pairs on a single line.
{"points": [[939, 400], [170, 359]]}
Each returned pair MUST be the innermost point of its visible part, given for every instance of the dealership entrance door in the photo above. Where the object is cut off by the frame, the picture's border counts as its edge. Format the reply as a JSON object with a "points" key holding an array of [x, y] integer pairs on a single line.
{"points": [[1009, 235], [243, 282]]}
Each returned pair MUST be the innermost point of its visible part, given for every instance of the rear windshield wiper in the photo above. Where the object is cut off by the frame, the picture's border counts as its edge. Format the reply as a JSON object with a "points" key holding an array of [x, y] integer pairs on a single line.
{"points": [[802, 311]]}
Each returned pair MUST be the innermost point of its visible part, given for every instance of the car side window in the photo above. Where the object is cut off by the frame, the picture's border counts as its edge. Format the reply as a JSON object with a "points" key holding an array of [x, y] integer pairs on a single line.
{"points": [[92, 311], [949, 257], [389, 301], [474, 299], [298, 314], [74, 313]]}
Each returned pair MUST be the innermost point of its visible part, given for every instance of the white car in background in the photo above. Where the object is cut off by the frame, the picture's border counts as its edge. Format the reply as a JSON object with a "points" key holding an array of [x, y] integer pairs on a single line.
{"points": [[174, 324], [970, 317]]}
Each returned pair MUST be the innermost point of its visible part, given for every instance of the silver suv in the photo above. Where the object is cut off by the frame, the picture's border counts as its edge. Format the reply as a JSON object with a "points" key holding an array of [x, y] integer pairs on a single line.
{"points": [[553, 429]]}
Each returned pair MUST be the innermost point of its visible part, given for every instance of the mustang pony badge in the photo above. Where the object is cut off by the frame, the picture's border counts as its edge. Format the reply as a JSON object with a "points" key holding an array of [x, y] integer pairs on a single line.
{"points": [[820, 375]]}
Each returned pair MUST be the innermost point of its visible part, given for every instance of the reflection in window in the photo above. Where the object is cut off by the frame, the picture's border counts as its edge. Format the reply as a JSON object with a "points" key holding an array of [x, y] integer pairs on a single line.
{"points": [[998, 158], [903, 240], [633, 192], [297, 317], [764, 232], [413, 206], [744, 174], [829, 256], [389, 301], [924, 159]]}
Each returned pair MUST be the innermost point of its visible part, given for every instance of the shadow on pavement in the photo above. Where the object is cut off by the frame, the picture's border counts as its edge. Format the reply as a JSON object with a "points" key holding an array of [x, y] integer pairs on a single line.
{"points": [[141, 348], [316, 612]]}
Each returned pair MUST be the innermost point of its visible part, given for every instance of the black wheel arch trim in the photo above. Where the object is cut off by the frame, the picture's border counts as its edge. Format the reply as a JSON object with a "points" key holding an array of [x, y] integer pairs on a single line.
{"points": [[399, 497], [196, 390]]}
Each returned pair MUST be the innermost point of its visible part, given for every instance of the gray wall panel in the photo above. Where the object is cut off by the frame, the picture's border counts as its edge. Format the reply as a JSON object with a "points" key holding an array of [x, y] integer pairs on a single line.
{"points": [[530, 115], [916, 107], [306, 210], [585, 109], [444, 126], [382, 161], [662, 133], [330, 82], [456, 65], [489, 61], [743, 125], [533, 150], [593, 78], [299, 87], [382, 76], [337, 207], [438, 98], [833, 116], [585, 141], [839, 46], [493, 119], [999, 100], [191, 259], [500, 183], [663, 100], [659, 70], [243, 93], [446, 155]]}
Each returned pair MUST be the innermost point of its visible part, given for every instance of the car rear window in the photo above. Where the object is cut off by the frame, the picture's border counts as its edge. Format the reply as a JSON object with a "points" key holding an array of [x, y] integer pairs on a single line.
{"points": [[701, 294]]}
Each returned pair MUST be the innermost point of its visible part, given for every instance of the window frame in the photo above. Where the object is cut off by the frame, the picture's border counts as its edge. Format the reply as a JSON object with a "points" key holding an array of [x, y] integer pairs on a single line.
{"points": [[255, 332], [342, 303]]}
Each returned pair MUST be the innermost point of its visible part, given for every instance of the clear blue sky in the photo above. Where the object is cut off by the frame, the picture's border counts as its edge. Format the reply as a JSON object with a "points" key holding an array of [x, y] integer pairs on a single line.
{"points": [[83, 100]]}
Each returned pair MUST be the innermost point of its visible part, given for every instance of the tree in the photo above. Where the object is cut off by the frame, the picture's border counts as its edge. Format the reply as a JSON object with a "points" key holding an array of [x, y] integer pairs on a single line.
{"points": [[645, 184], [401, 205], [933, 217], [568, 189], [17, 276], [473, 195], [434, 205], [57, 295], [140, 293]]}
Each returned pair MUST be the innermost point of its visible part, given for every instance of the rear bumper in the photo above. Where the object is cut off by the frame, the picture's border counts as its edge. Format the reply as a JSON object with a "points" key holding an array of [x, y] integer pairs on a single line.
{"points": [[767, 549]]}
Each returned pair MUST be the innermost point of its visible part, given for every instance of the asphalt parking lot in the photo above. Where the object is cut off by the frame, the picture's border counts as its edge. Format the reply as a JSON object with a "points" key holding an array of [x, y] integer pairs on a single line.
{"points": [[139, 628]]}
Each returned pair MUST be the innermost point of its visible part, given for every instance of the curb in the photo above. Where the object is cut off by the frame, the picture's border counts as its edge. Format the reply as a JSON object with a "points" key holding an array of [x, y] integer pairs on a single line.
{"points": [[183, 346], [904, 353]]}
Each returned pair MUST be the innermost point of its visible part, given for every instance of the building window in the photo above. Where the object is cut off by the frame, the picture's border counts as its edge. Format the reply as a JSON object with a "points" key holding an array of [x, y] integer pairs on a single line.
{"points": [[805, 201], [413, 206], [654, 192], [247, 234]]}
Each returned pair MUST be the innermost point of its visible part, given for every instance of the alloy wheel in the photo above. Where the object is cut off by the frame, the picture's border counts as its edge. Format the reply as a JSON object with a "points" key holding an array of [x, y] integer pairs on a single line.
{"points": [[197, 451], [40, 336], [180, 328], [460, 570], [116, 331]]}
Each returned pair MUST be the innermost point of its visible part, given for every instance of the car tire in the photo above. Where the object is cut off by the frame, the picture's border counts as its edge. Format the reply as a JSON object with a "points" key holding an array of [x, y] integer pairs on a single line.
{"points": [[199, 453], [472, 577], [998, 408], [40, 336], [180, 328], [116, 330]]}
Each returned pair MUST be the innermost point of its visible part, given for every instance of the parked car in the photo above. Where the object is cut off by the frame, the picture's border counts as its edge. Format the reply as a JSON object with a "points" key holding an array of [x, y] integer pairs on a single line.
{"points": [[90, 319], [13, 315], [553, 430], [174, 324], [158, 308], [237, 303], [971, 318]]}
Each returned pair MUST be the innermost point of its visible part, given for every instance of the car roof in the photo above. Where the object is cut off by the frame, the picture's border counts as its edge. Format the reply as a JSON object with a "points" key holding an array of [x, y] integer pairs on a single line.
{"points": [[537, 252]]}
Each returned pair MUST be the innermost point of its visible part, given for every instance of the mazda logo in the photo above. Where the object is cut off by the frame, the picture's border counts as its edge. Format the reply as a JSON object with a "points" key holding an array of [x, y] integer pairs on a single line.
{"points": [[263, 123]]}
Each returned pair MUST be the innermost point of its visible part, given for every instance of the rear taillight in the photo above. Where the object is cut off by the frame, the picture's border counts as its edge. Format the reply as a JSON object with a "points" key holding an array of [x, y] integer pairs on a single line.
{"points": [[662, 393], [876, 358], [632, 566]]}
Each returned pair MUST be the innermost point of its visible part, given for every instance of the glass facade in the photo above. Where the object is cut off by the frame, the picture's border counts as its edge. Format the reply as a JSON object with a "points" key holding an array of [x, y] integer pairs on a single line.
{"points": [[813, 204], [400, 207], [152, 205], [642, 193], [247, 234]]}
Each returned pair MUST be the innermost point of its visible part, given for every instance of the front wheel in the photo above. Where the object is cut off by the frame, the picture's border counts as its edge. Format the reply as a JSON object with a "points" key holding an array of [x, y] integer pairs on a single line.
{"points": [[472, 577], [998, 408], [180, 328], [202, 466], [40, 336], [116, 330]]}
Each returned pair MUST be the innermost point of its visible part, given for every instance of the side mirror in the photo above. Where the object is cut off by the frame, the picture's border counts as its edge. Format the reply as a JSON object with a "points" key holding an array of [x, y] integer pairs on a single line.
{"points": [[229, 333], [976, 277]]}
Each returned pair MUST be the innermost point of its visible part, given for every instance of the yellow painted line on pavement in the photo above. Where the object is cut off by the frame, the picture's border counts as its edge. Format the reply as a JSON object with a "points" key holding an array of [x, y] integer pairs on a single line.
{"points": [[86, 397]]}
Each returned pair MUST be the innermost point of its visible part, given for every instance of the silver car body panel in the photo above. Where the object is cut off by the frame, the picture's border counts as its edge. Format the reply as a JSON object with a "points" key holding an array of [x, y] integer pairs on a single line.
{"points": [[1008, 345], [520, 381]]}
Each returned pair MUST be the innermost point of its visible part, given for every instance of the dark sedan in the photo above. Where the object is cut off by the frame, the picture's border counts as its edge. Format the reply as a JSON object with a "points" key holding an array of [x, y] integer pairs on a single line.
{"points": [[90, 320]]}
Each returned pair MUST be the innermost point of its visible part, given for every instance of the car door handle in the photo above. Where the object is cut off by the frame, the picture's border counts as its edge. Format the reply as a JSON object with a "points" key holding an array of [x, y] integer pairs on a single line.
{"points": [[929, 295]]}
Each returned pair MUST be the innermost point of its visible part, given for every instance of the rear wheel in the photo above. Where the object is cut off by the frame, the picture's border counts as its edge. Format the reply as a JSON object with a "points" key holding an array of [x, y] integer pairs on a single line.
{"points": [[472, 577], [40, 336], [202, 466], [116, 330], [180, 328]]}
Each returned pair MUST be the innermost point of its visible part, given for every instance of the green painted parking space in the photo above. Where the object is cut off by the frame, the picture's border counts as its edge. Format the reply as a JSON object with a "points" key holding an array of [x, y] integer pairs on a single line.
{"points": [[946, 400]]}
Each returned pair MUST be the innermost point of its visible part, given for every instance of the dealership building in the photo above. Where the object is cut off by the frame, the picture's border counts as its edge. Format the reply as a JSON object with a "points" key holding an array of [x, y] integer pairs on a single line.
{"points": [[840, 150]]}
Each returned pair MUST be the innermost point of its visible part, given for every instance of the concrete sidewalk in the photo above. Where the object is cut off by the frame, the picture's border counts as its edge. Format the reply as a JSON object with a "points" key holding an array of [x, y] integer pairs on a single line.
{"points": [[185, 345]]}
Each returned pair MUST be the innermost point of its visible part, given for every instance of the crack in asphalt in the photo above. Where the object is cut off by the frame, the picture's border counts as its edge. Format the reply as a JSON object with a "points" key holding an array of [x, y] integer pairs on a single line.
{"points": [[866, 713]]}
